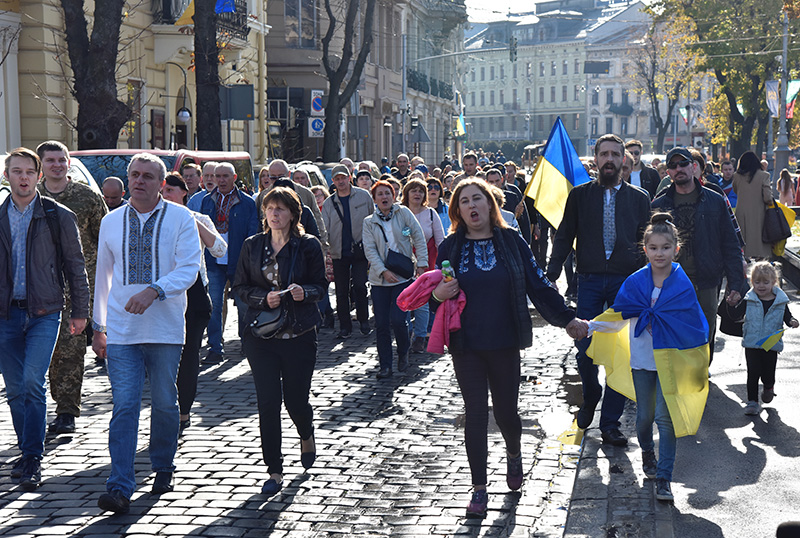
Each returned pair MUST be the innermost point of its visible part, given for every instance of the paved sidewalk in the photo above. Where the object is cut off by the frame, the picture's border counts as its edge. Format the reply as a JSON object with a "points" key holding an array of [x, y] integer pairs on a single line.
{"points": [[391, 458]]}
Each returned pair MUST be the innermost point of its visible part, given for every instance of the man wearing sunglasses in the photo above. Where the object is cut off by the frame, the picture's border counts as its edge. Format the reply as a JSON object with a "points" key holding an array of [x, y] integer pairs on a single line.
{"points": [[642, 175], [707, 252]]}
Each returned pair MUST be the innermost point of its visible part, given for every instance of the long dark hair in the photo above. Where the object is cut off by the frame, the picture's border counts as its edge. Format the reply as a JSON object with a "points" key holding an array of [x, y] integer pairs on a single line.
{"points": [[174, 179], [749, 164]]}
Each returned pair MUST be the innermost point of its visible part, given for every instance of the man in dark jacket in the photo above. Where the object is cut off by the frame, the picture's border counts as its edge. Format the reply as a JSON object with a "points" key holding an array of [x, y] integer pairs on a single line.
{"points": [[642, 175], [40, 249], [605, 218], [710, 247]]}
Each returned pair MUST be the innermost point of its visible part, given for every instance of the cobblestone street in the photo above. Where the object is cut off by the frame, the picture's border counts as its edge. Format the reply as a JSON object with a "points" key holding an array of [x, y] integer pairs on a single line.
{"points": [[391, 459]]}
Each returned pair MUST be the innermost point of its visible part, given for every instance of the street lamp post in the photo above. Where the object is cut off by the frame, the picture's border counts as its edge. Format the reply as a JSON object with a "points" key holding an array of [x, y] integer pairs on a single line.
{"points": [[782, 150]]}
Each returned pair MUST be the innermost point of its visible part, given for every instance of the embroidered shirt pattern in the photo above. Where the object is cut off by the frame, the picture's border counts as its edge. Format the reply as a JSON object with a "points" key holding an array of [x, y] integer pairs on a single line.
{"points": [[142, 250]]}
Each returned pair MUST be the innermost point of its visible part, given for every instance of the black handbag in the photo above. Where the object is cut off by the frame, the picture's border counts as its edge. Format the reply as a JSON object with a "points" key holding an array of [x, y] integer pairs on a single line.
{"points": [[776, 228], [271, 321], [396, 262]]}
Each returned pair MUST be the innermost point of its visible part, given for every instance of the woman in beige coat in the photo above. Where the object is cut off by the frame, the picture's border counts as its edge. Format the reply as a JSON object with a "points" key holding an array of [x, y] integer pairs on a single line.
{"points": [[754, 194]]}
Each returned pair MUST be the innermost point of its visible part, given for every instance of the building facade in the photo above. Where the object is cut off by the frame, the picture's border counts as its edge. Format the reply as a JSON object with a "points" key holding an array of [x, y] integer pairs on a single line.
{"points": [[155, 75], [404, 31]]}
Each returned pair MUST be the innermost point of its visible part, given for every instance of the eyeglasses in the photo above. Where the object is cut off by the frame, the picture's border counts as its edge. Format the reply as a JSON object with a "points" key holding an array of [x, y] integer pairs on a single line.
{"points": [[635, 152], [275, 177], [433, 187], [675, 164]]}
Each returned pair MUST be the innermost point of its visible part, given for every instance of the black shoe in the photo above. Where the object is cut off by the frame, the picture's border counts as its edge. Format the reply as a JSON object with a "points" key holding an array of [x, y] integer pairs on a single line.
{"points": [[649, 463], [183, 425], [114, 502], [31, 477], [663, 490], [214, 357], [308, 458], [402, 362], [418, 345], [19, 467], [328, 322], [365, 328], [64, 423], [162, 483], [343, 335], [586, 415], [384, 373], [615, 438]]}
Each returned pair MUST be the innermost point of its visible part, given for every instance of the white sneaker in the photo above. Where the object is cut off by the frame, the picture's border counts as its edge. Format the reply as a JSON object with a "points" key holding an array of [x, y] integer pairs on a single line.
{"points": [[752, 408]]}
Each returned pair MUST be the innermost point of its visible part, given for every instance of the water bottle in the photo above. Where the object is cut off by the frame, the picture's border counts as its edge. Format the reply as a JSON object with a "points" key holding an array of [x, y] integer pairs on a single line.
{"points": [[447, 271]]}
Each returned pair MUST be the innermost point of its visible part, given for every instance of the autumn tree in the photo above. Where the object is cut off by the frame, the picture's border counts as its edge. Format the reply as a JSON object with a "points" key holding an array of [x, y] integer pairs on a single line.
{"points": [[93, 61], [740, 44], [208, 116], [663, 68], [341, 68]]}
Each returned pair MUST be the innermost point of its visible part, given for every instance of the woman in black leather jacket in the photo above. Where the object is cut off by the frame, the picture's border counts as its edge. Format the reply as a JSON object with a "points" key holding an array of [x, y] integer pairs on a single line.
{"points": [[282, 266]]}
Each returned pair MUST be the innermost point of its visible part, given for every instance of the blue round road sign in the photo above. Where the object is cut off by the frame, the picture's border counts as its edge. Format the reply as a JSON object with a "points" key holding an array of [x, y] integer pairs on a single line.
{"points": [[316, 103], [317, 125]]}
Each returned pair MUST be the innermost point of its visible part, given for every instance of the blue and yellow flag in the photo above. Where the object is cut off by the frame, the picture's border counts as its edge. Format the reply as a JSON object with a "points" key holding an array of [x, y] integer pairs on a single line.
{"points": [[221, 6], [559, 170], [461, 126], [769, 342], [680, 344]]}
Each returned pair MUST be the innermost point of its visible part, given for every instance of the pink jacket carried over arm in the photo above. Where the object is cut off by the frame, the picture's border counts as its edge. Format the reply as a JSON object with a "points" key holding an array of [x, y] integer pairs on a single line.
{"points": [[448, 316]]}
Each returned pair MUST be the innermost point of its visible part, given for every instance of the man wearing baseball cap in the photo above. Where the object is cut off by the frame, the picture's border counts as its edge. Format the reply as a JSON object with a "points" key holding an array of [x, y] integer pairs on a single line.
{"points": [[344, 213], [710, 247]]}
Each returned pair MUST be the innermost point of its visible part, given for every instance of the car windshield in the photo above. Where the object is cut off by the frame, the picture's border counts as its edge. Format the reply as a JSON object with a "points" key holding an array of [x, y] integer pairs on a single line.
{"points": [[102, 166]]}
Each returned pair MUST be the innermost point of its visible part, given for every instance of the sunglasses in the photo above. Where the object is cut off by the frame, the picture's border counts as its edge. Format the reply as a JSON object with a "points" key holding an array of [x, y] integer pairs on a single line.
{"points": [[433, 187], [675, 164], [635, 152]]}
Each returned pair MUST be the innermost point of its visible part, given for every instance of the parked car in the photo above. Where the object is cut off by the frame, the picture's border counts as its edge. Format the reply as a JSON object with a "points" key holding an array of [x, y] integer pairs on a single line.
{"points": [[326, 169], [77, 171], [114, 162]]}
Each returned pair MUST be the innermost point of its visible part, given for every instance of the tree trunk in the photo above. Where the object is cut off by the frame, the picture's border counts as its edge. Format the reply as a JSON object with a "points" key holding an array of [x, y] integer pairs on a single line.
{"points": [[206, 62], [93, 61], [330, 144]]}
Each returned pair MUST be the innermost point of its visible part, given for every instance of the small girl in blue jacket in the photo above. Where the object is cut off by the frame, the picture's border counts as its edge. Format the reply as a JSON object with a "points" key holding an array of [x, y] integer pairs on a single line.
{"points": [[765, 309]]}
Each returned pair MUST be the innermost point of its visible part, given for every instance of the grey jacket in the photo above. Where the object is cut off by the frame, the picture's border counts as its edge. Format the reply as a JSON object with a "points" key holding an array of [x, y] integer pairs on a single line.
{"points": [[361, 206], [45, 288], [375, 247]]}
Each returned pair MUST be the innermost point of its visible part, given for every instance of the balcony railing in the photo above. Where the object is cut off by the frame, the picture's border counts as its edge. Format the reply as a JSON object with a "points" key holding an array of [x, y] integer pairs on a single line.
{"points": [[232, 25]]}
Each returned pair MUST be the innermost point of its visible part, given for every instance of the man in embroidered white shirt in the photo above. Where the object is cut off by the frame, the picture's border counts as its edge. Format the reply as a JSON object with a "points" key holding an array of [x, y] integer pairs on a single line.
{"points": [[148, 256]]}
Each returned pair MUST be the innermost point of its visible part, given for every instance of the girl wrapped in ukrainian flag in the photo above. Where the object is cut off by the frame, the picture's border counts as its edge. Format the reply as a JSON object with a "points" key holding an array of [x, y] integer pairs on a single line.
{"points": [[653, 343]]}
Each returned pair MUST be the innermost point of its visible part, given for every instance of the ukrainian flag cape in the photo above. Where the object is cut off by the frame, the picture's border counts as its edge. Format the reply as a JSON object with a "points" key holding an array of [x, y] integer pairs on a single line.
{"points": [[680, 344]]}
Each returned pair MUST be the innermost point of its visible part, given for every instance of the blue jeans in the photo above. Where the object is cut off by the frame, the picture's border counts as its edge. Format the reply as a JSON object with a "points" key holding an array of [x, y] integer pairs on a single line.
{"points": [[388, 318], [596, 292], [127, 365], [217, 280], [650, 407], [27, 346], [421, 316]]}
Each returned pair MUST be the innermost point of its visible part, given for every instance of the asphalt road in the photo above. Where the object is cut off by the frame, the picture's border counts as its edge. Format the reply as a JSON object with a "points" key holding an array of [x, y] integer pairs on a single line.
{"points": [[738, 476]]}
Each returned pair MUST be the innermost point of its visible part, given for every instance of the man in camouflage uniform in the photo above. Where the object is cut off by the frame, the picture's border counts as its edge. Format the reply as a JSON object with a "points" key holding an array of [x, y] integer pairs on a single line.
{"points": [[66, 368]]}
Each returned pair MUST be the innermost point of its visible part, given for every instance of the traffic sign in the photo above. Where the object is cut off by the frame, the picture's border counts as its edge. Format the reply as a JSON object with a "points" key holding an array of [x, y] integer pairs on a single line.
{"points": [[316, 128], [317, 108]]}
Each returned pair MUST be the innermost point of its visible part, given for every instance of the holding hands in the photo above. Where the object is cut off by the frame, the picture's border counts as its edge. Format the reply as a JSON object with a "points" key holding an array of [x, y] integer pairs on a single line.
{"points": [[578, 329]]}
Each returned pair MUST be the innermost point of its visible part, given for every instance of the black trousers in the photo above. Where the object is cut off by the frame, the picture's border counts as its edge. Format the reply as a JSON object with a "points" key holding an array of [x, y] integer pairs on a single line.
{"points": [[761, 366], [282, 371], [344, 270], [198, 314], [498, 370]]}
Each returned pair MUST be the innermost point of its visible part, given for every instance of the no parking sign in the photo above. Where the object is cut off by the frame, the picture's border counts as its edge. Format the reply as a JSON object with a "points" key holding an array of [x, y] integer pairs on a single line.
{"points": [[317, 108], [316, 128]]}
